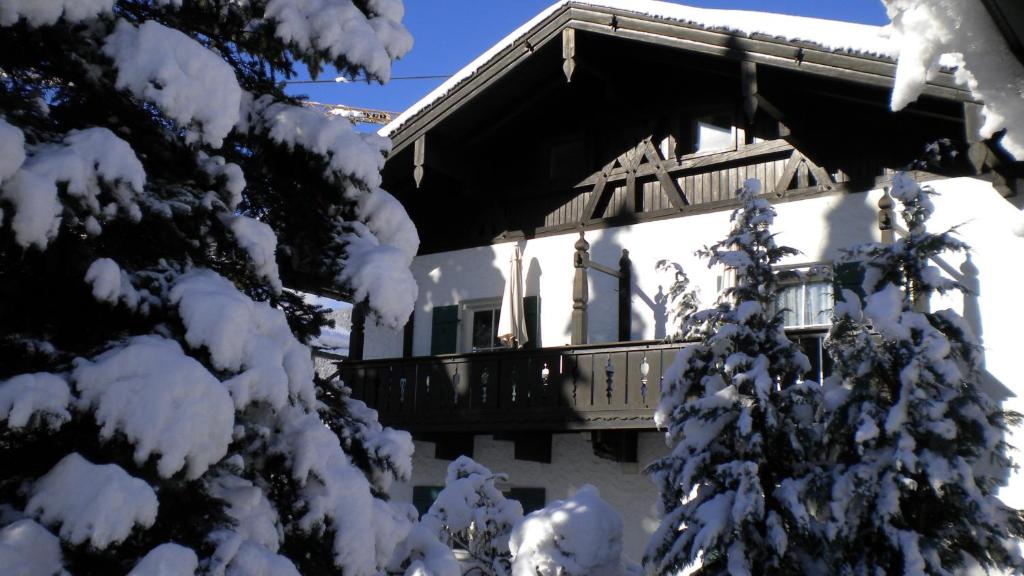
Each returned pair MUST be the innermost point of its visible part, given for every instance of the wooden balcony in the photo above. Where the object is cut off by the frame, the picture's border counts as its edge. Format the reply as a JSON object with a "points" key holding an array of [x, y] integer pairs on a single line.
{"points": [[589, 387]]}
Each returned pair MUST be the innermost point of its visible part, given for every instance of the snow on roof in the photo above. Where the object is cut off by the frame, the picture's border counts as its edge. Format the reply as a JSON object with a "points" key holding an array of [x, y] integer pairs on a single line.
{"points": [[831, 35]]}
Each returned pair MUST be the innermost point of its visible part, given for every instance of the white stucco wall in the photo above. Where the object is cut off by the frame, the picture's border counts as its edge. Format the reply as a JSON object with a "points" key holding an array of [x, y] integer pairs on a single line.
{"points": [[623, 485], [818, 227]]}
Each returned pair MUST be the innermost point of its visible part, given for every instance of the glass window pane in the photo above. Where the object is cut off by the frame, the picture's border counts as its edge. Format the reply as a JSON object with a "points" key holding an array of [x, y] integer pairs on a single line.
{"points": [[819, 303], [483, 328], [788, 299], [714, 133]]}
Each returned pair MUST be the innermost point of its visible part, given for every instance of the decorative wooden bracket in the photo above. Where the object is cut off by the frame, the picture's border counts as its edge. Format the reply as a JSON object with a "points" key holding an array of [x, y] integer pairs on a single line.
{"points": [[803, 168], [630, 161], [419, 159], [668, 183], [984, 157], [568, 52], [433, 156]]}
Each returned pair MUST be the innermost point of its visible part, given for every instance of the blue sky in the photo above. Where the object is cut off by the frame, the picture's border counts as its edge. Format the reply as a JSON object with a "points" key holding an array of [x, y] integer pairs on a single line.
{"points": [[451, 33]]}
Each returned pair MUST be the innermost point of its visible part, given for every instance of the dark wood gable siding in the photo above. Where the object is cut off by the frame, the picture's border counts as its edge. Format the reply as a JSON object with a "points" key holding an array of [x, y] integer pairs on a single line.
{"points": [[533, 154]]}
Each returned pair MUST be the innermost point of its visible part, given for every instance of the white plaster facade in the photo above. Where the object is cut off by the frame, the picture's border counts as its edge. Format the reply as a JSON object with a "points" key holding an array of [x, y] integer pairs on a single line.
{"points": [[819, 227]]}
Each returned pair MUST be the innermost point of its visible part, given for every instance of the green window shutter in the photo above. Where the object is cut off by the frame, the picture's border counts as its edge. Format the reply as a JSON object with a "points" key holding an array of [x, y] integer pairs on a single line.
{"points": [[531, 310], [848, 276], [444, 331]]}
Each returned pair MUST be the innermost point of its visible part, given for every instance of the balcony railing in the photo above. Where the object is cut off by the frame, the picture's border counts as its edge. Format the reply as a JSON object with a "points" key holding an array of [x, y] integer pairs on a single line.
{"points": [[588, 387]]}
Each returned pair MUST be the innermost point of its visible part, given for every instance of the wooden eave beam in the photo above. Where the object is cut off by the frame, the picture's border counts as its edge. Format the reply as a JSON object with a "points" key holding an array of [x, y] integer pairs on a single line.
{"points": [[499, 66], [760, 50]]}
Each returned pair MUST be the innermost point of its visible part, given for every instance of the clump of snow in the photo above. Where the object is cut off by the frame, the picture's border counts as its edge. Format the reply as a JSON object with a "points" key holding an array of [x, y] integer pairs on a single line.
{"points": [[255, 520], [334, 489], [472, 512], [380, 274], [43, 394], [260, 242], [341, 30], [925, 30], [188, 82], [390, 223], [46, 12], [111, 284], [12, 149], [28, 549], [162, 400], [167, 560], [253, 560], [229, 172], [247, 337], [580, 536], [424, 555], [83, 160], [98, 504], [347, 152]]}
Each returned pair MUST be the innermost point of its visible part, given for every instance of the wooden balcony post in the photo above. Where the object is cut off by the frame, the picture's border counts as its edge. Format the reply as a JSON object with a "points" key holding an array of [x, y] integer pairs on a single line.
{"points": [[580, 291], [625, 297], [355, 344], [886, 217]]}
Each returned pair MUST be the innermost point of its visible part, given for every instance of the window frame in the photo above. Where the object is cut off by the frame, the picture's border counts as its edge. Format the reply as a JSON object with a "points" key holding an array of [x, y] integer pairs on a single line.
{"points": [[804, 274], [467, 310]]}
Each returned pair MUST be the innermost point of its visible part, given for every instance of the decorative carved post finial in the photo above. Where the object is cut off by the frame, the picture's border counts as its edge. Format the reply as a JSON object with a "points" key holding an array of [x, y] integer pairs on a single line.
{"points": [[580, 291], [886, 216]]}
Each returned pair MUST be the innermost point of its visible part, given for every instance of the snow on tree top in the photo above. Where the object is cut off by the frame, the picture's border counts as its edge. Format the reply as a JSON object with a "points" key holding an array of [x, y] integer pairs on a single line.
{"points": [[828, 34]]}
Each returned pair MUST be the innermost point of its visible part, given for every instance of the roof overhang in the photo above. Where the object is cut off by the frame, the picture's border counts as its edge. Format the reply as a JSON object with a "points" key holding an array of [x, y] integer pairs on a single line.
{"points": [[1009, 18], [618, 22]]}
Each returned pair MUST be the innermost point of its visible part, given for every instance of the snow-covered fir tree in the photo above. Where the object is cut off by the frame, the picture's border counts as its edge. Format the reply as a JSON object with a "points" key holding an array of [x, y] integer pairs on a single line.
{"points": [[158, 406], [917, 446], [741, 422], [472, 514]]}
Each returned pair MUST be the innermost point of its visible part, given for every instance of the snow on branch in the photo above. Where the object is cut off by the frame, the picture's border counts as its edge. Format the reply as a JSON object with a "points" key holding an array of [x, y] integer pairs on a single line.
{"points": [[167, 560], [260, 242], [579, 536], [348, 153], [12, 149], [340, 29], [27, 395], [47, 12], [188, 82], [926, 30], [163, 401], [247, 336], [379, 274], [98, 504], [28, 548], [82, 161]]}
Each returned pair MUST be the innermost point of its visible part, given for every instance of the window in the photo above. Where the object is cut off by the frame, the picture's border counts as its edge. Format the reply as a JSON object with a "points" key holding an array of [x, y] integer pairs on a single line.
{"points": [[480, 325], [806, 301], [714, 133], [805, 298]]}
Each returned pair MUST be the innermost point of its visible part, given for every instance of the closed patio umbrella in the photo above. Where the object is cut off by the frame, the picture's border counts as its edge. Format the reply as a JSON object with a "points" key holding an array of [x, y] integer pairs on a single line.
{"points": [[512, 321]]}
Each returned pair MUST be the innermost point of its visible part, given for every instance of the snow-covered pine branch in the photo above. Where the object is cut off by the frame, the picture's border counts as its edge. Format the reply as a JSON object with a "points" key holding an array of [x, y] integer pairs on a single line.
{"points": [[159, 411], [471, 512]]}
